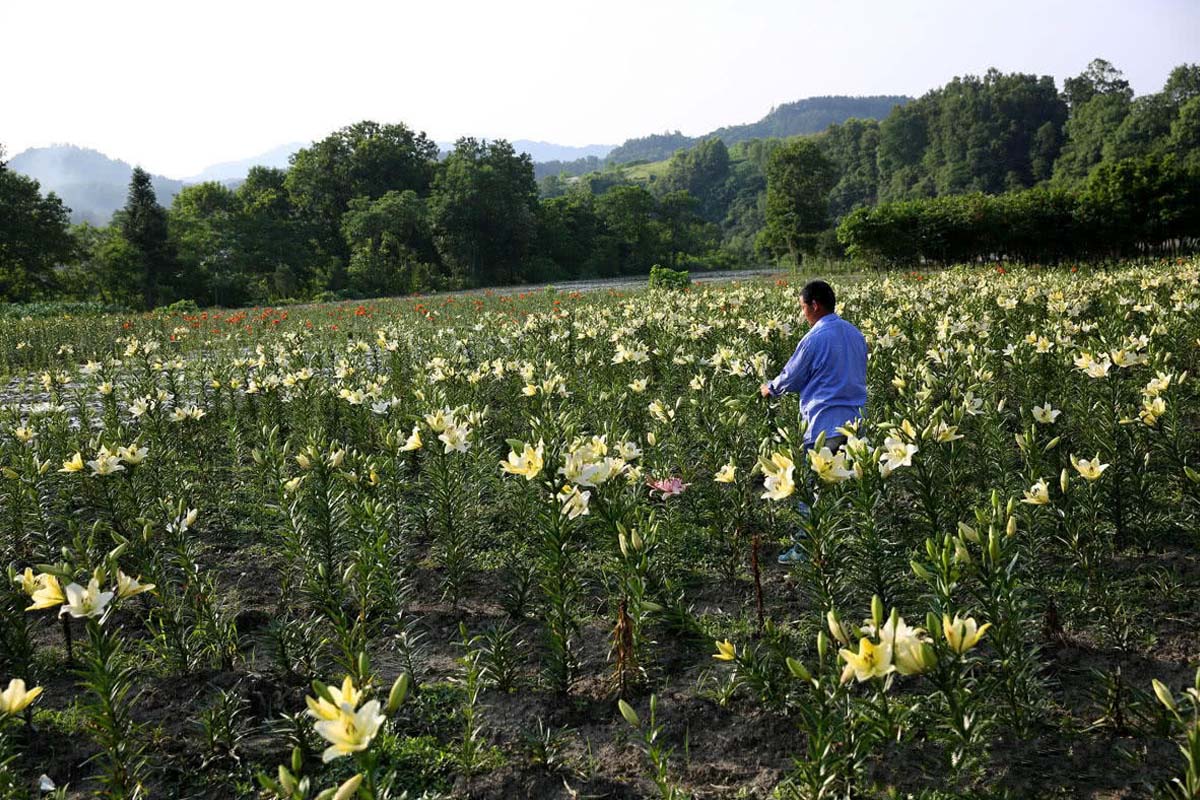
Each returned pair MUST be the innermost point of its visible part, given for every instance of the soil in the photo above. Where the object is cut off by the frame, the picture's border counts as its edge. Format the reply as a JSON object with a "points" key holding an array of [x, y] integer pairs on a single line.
{"points": [[742, 750]]}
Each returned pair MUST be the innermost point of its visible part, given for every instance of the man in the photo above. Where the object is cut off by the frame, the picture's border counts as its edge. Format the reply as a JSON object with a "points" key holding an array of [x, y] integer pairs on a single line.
{"points": [[828, 371]]}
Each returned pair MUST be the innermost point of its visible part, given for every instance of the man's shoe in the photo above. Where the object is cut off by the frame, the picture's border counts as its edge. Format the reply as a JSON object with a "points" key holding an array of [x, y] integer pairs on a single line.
{"points": [[793, 556]]}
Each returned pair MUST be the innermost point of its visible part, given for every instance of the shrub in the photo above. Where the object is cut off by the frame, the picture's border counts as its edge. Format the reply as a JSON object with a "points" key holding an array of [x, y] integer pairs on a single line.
{"points": [[667, 278]]}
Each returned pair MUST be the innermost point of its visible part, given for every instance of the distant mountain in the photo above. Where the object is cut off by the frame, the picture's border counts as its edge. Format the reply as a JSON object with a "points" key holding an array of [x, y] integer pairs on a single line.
{"points": [[545, 151], [811, 115], [90, 183], [236, 171]]}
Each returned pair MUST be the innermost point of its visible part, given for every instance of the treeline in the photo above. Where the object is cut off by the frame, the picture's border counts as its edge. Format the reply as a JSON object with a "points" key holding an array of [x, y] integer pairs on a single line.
{"points": [[998, 166], [369, 210], [1129, 208], [977, 135]]}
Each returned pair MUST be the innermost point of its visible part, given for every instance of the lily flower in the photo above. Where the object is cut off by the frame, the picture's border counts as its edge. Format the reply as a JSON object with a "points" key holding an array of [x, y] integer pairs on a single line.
{"points": [[1045, 414], [413, 442], [527, 464], [726, 651], [574, 502], [351, 732], [346, 695], [16, 698], [47, 593], [85, 602], [778, 483], [73, 464], [871, 661], [830, 468], [1091, 470], [128, 587], [1038, 494], [668, 487], [727, 474], [962, 634]]}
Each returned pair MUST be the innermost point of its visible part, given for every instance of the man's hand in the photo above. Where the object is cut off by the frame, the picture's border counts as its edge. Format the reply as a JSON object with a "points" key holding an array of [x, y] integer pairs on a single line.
{"points": [[764, 390]]}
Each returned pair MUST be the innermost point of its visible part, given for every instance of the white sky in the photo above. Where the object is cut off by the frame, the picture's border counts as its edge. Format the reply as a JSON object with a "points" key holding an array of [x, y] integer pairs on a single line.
{"points": [[176, 85]]}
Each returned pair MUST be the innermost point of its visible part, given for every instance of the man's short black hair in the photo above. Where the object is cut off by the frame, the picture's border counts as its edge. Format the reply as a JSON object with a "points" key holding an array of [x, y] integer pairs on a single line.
{"points": [[819, 292]]}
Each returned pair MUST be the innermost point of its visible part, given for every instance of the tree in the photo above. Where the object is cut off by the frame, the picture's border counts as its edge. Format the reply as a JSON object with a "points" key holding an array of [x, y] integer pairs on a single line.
{"points": [[203, 223], [1091, 125], [365, 159], [1184, 140], [1183, 84], [570, 240], [144, 226], [391, 248], [1100, 77], [275, 239], [628, 214], [702, 172], [34, 237], [109, 267], [482, 209], [799, 179]]}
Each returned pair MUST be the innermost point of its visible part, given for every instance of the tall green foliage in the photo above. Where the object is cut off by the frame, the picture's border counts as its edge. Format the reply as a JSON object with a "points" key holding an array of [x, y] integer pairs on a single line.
{"points": [[799, 179], [143, 224], [33, 238], [483, 211]]}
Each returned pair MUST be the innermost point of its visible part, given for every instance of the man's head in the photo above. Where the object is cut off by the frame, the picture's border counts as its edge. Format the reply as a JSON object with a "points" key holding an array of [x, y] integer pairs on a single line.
{"points": [[817, 300]]}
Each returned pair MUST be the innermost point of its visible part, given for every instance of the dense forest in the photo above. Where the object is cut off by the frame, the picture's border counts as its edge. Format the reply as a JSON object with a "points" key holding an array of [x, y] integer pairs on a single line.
{"points": [[992, 166]]}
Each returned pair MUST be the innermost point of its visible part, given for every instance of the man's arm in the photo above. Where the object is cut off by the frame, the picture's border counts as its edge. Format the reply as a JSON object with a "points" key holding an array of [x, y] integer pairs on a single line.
{"points": [[794, 376]]}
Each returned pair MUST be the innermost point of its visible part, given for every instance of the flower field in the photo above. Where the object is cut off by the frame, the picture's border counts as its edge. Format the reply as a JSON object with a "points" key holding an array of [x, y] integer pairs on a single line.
{"points": [[524, 546]]}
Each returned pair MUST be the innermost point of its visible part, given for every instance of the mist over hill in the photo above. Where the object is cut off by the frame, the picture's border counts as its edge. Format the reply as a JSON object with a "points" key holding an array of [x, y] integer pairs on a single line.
{"points": [[90, 183], [236, 171]]}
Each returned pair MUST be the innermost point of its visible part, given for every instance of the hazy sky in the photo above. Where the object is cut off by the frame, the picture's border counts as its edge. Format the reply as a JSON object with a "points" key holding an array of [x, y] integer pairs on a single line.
{"points": [[176, 86]]}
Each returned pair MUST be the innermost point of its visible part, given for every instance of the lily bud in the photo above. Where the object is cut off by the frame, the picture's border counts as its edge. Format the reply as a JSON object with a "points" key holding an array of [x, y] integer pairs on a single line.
{"points": [[629, 714], [347, 789], [1011, 528], [635, 540], [287, 780], [877, 611], [1164, 694], [1192, 475], [919, 570], [398, 693], [798, 670], [835, 627], [297, 759], [822, 645], [322, 692], [994, 548], [1053, 443], [1064, 480], [364, 666], [623, 544], [968, 533]]}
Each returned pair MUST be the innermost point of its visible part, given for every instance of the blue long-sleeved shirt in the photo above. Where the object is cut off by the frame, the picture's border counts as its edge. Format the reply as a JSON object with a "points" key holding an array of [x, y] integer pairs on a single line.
{"points": [[829, 372]]}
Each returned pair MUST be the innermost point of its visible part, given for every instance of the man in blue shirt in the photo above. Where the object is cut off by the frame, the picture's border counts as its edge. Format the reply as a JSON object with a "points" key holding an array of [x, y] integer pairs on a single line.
{"points": [[828, 371]]}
